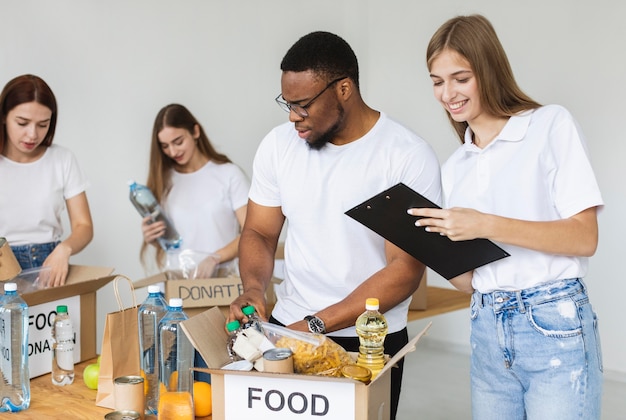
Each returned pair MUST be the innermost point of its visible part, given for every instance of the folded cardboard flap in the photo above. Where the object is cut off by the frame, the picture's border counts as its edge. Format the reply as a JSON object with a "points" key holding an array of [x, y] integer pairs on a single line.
{"points": [[9, 267], [207, 333], [81, 279]]}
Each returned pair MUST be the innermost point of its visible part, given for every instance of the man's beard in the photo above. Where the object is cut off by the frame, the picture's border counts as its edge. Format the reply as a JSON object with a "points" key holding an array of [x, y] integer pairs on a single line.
{"points": [[330, 134]]}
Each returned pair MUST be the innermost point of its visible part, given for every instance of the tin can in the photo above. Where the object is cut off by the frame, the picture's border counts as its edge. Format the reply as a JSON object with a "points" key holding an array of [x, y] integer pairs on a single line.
{"points": [[356, 372], [129, 394], [278, 360], [122, 415]]}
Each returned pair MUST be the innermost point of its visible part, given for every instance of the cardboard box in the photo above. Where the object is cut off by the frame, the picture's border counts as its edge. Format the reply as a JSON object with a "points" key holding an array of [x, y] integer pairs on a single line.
{"points": [[79, 294], [419, 302], [200, 294], [197, 293], [259, 395]]}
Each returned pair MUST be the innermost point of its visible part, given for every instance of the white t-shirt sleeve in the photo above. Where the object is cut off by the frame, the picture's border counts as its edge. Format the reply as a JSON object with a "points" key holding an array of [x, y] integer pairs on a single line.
{"points": [[239, 187], [75, 180], [264, 189], [573, 182]]}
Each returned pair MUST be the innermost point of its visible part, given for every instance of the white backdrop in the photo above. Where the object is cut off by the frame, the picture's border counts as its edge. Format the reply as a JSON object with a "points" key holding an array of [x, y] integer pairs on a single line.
{"points": [[114, 64]]}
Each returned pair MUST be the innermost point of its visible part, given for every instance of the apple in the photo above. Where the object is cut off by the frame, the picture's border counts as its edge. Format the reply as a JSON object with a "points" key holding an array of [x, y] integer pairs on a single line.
{"points": [[90, 375]]}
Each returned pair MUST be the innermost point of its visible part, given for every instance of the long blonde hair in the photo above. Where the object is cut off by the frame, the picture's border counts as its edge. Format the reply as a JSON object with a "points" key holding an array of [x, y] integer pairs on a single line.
{"points": [[474, 38], [161, 166]]}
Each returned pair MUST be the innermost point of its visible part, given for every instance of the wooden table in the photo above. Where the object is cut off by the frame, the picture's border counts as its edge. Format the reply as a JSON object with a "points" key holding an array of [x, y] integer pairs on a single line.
{"points": [[440, 301], [76, 401]]}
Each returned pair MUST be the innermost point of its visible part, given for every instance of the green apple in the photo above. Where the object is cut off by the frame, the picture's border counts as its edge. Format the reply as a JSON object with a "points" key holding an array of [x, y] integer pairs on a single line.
{"points": [[90, 375], [98, 362]]}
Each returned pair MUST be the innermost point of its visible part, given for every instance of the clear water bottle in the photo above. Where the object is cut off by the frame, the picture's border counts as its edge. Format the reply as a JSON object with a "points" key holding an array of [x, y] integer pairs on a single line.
{"points": [[253, 319], [15, 384], [176, 361], [371, 327], [151, 311], [147, 205], [233, 328], [62, 348]]}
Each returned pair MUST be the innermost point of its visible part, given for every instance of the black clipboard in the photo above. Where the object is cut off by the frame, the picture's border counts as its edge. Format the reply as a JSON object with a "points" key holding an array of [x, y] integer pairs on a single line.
{"points": [[385, 214]]}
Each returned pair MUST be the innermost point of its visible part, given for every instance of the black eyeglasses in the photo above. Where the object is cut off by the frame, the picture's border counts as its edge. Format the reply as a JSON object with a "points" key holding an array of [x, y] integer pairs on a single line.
{"points": [[300, 110]]}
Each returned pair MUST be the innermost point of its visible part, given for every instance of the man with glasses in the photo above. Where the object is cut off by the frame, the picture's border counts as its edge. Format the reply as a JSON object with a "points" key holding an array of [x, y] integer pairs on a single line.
{"points": [[335, 152]]}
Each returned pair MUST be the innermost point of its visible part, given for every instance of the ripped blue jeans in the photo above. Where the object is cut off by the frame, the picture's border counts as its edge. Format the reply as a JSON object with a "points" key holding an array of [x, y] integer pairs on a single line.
{"points": [[536, 354]]}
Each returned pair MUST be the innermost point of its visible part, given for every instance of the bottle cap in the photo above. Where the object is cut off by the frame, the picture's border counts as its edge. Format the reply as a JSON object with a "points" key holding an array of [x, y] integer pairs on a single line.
{"points": [[176, 303], [372, 304], [248, 310], [62, 309], [154, 288], [232, 325], [10, 287]]}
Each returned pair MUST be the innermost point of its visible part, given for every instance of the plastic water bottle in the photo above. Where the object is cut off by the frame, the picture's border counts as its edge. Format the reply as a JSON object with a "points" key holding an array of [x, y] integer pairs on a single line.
{"points": [[147, 205], [253, 319], [371, 327], [15, 384], [233, 328], [150, 314], [62, 348], [176, 361]]}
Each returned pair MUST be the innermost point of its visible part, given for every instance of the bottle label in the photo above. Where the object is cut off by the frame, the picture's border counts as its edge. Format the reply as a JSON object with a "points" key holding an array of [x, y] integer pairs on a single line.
{"points": [[5, 347], [65, 358]]}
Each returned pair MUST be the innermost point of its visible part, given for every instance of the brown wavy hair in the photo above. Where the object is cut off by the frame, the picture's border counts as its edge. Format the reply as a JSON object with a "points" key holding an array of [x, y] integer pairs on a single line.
{"points": [[24, 89], [161, 166], [475, 39]]}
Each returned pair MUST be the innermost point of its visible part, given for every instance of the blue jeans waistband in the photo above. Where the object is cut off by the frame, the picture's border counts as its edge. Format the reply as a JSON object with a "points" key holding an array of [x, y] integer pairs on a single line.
{"points": [[34, 247], [502, 300], [33, 255]]}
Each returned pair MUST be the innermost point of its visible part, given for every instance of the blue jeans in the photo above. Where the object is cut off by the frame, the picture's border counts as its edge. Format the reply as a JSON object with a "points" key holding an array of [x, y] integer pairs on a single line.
{"points": [[33, 255], [536, 354]]}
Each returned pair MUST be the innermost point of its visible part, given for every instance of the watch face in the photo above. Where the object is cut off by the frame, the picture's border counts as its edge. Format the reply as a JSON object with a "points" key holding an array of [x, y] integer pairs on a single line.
{"points": [[316, 325]]}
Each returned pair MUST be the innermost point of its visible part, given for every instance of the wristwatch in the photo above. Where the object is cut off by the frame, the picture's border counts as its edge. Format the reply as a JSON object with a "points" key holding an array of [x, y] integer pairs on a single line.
{"points": [[316, 325]]}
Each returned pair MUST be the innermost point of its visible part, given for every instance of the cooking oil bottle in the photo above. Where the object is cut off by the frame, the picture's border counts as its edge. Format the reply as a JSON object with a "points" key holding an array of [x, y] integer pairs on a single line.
{"points": [[371, 327]]}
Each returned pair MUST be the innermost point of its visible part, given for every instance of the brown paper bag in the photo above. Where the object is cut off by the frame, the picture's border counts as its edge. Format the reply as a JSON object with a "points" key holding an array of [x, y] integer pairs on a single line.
{"points": [[120, 347]]}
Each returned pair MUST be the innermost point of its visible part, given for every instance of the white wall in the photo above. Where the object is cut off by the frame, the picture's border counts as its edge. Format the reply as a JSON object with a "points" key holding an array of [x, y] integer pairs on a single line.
{"points": [[113, 64]]}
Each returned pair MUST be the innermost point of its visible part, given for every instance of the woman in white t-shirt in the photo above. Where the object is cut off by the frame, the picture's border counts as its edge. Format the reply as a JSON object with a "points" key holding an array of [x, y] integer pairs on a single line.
{"points": [[38, 180], [521, 178], [202, 191]]}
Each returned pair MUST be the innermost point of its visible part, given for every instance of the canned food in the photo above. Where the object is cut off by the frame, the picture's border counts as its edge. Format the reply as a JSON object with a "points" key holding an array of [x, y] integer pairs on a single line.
{"points": [[128, 392], [356, 372], [122, 415], [278, 360]]}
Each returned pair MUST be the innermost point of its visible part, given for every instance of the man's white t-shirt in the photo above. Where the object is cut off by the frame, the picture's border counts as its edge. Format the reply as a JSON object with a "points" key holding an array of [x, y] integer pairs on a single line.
{"points": [[328, 254], [32, 195]]}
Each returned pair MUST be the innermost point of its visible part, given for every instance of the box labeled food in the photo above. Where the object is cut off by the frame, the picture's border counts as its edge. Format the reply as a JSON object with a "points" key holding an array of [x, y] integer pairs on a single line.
{"points": [[79, 294], [254, 394]]}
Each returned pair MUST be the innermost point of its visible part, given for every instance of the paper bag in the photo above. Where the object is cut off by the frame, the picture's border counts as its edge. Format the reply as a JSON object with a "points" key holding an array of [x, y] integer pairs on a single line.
{"points": [[120, 347]]}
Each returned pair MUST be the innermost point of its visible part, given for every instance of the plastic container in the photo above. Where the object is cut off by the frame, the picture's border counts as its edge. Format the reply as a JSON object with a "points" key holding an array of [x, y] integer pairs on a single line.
{"points": [[150, 313], [15, 386], [371, 327], [233, 328], [147, 205], [253, 319], [176, 361], [62, 348]]}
